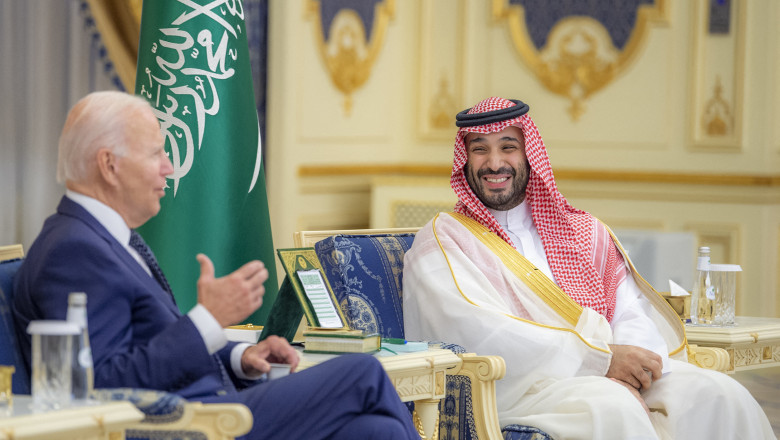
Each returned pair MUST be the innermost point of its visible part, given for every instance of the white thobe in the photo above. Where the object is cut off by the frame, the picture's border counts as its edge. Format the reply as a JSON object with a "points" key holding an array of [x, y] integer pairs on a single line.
{"points": [[458, 290], [630, 323]]}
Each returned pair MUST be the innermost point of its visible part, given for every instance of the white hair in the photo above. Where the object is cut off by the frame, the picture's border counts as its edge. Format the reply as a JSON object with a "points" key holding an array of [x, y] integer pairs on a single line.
{"points": [[99, 120]]}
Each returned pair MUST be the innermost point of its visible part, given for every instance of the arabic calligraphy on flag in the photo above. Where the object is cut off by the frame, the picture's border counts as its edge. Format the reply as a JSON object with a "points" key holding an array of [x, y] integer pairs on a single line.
{"points": [[190, 63], [194, 69]]}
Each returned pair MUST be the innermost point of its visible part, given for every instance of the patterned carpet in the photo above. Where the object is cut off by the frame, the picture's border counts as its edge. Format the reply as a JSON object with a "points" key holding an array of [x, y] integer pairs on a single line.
{"points": [[764, 384]]}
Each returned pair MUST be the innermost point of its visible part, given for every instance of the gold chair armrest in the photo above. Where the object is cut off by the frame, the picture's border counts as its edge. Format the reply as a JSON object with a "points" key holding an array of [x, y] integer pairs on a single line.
{"points": [[711, 358], [483, 372], [217, 421]]}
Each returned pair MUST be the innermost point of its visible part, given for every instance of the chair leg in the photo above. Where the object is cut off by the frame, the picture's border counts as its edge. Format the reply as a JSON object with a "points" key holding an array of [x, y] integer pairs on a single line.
{"points": [[483, 371]]}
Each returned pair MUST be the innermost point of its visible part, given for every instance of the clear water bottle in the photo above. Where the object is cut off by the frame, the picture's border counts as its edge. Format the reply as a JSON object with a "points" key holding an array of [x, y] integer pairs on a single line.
{"points": [[703, 293], [81, 370]]}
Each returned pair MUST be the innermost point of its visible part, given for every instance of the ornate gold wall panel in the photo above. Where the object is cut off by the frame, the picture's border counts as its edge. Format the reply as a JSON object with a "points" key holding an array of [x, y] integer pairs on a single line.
{"points": [[774, 69], [585, 49], [348, 45], [722, 238], [630, 158], [717, 75], [440, 74]]}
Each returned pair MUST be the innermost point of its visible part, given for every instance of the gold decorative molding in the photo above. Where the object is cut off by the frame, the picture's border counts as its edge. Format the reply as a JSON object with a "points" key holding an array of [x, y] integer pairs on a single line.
{"points": [[443, 106], [441, 34], [724, 240], [746, 357], [349, 53], [717, 117], [717, 84], [412, 386], [769, 181], [579, 57]]}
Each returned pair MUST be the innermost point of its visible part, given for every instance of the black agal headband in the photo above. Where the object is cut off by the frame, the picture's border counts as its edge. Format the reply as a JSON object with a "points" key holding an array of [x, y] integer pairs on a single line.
{"points": [[463, 119]]}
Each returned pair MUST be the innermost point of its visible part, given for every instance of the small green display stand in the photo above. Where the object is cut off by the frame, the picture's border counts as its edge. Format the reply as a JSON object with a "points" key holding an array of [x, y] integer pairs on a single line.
{"points": [[306, 292]]}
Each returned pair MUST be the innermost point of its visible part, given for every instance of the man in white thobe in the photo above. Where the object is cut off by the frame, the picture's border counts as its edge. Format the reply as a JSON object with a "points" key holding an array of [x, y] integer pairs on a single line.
{"points": [[592, 351]]}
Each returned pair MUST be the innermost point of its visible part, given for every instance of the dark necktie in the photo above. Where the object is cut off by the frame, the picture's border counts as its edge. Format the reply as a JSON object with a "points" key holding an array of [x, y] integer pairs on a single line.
{"points": [[137, 242]]}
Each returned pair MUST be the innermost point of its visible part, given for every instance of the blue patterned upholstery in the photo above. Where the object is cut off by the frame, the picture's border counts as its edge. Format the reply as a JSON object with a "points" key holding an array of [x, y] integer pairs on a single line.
{"points": [[9, 355], [522, 432], [456, 416], [158, 407], [366, 274]]}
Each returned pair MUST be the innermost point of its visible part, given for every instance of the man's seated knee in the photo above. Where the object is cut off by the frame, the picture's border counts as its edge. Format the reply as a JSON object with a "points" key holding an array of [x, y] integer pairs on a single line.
{"points": [[372, 426], [361, 363]]}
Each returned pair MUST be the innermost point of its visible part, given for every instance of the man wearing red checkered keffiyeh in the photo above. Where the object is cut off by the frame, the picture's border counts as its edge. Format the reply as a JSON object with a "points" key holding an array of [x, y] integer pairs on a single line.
{"points": [[518, 272], [571, 238]]}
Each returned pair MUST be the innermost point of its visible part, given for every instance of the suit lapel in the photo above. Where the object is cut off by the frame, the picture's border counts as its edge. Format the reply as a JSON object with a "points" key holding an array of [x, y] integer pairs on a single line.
{"points": [[70, 208]]}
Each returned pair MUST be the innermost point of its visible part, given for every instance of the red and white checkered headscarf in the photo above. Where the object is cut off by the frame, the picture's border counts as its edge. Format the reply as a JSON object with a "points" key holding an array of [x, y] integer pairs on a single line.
{"points": [[583, 258]]}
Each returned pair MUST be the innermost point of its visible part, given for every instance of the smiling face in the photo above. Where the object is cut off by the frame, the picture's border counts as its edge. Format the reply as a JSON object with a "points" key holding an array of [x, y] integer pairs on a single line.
{"points": [[497, 169], [141, 171]]}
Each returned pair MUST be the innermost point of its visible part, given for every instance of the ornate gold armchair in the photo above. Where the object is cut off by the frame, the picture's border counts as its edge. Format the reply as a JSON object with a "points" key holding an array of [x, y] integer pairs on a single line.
{"points": [[364, 267], [370, 298]]}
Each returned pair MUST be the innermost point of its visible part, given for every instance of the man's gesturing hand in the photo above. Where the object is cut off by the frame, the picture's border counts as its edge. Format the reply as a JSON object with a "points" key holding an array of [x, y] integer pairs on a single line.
{"points": [[273, 349], [232, 298], [634, 365]]}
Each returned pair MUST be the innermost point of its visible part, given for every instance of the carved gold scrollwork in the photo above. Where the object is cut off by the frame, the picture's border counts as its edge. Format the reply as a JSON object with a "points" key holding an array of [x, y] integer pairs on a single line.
{"points": [[579, 57], [747, 356], [349, 53], [584, 64], [711, 358]]}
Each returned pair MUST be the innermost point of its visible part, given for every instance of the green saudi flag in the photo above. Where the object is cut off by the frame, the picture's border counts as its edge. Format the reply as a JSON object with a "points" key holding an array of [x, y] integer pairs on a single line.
{"points": [[193, 67]]}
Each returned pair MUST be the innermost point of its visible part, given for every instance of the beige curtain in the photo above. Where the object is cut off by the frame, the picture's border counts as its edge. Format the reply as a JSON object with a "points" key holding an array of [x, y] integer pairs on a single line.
{"points": [[119, 24]]}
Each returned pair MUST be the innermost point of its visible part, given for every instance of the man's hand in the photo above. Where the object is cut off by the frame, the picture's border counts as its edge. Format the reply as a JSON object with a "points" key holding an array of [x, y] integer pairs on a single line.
{"points": [[272, 349], [232, 298], [635, 366]]}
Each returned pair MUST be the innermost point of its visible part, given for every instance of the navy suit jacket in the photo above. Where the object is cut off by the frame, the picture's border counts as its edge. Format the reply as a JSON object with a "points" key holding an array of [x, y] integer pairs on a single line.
{"points": [[138, 336]]}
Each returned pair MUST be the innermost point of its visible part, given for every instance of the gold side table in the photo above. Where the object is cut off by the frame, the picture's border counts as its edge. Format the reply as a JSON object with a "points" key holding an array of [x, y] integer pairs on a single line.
{"points": [[417, 376], [753, 343]]}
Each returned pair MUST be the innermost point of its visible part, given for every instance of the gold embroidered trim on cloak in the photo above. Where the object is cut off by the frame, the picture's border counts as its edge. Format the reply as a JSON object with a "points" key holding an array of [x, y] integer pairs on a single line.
{"points": [[680, 329], [543, 286], [454, 279]]}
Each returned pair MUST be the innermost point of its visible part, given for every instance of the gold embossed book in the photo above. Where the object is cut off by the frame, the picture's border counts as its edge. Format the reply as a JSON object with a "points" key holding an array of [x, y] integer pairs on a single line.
{"points": [[338, 341]]}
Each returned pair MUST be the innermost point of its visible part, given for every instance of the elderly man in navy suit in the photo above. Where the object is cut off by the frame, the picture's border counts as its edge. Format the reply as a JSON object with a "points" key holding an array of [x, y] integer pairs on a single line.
{"points": [[112, 162]]}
